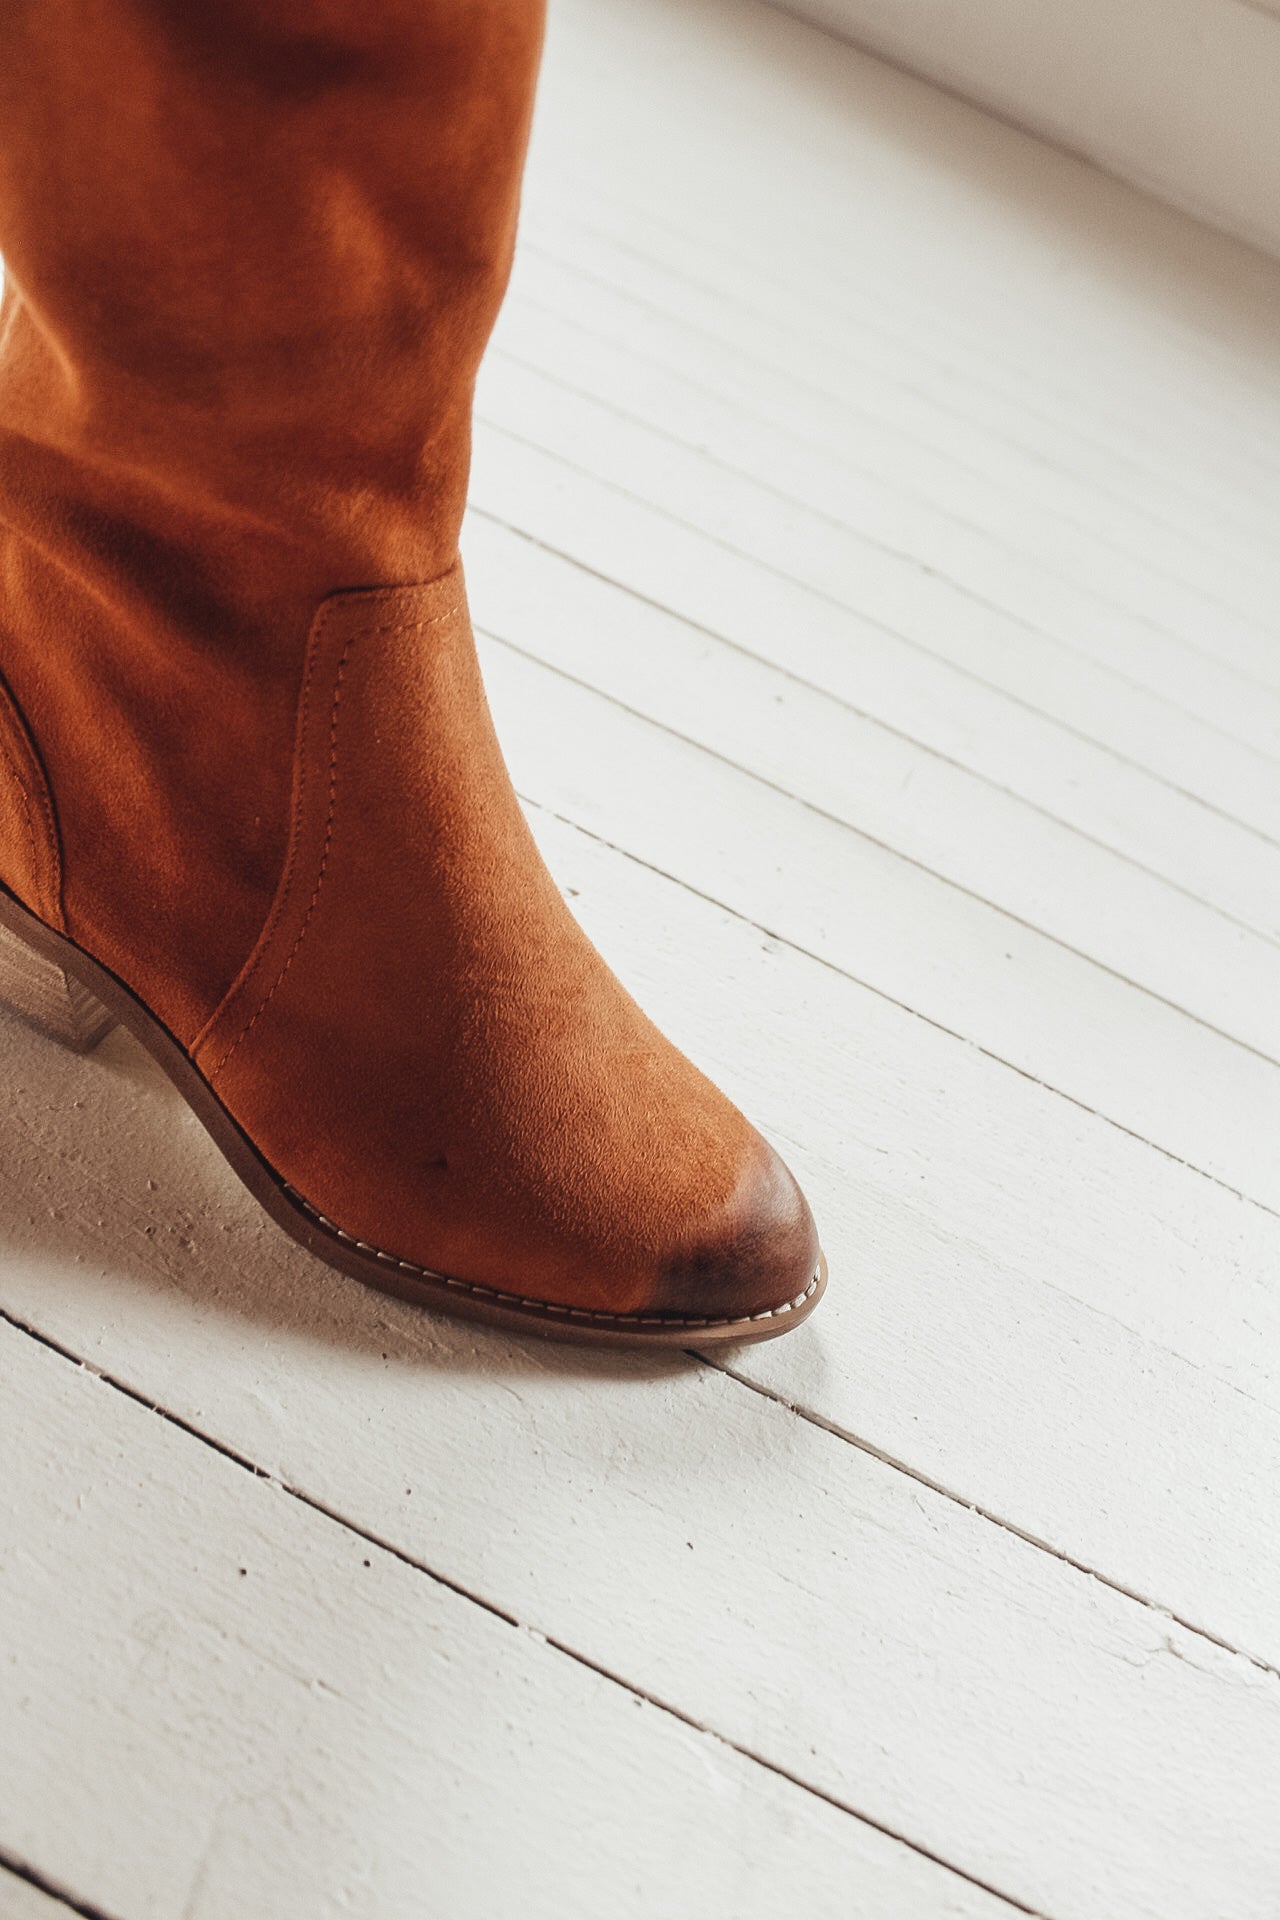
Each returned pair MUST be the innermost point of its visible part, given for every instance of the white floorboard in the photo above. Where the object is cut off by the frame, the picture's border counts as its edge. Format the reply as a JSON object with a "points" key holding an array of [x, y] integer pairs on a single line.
{"points": [[1090, 329], [308, 1726], [1047, 512], [975, 610], [1142, 775], [19, 1900], [873, 538], [898, 502]]}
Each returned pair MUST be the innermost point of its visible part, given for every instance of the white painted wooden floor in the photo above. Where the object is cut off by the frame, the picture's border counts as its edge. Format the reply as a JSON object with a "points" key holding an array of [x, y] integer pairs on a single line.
{"points": [[874, 539]]}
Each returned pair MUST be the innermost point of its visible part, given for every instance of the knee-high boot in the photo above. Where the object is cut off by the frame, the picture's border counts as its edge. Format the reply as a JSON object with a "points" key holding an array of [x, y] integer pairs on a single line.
{"points": [[251, 802]]}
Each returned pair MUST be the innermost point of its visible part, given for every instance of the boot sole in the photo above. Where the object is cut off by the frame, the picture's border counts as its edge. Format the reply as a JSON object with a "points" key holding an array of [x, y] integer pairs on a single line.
{"points": [[59, 989]]}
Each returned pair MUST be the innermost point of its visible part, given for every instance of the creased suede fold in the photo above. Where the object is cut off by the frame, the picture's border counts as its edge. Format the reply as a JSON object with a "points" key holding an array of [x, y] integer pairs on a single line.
{"points": [[253, 253]]}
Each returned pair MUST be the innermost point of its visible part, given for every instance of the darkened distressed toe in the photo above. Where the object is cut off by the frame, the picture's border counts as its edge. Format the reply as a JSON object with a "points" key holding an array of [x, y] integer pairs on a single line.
{"points": [[760, 1251]]}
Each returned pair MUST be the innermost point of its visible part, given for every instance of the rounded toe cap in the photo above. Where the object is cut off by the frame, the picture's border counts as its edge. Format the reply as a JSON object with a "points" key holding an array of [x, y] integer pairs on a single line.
{"points": [[757, 1258]]}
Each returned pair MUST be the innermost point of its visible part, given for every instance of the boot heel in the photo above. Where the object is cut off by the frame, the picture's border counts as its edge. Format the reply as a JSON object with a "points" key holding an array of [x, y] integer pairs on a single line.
{"points": [[50, 999]]}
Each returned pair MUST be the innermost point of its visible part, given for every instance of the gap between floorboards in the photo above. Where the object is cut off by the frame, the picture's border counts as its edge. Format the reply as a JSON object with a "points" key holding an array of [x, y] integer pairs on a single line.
{"points": [[499, 1613], [882, 725], [895, 853], [842, 606]]}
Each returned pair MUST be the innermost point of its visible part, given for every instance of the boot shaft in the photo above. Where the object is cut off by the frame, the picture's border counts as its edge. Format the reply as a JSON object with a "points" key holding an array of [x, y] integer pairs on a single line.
{"points": [[253, 257], [255, 252]]}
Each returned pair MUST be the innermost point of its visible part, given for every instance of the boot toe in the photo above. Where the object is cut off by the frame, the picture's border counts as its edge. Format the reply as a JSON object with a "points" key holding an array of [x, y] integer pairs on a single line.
{"points": [[757, 1256]]}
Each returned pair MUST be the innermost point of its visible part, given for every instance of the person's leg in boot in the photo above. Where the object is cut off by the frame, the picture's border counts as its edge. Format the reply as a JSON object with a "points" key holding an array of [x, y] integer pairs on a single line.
{"points": [[250, 796]]}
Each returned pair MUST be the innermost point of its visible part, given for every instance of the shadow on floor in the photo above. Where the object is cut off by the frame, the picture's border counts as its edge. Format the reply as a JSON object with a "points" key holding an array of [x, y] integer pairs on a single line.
{"points": [[111, 1188]]}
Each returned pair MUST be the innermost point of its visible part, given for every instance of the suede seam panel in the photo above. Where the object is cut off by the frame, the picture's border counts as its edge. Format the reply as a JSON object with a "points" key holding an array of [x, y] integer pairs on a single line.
{"points": [[19, 756], [301, 803]]}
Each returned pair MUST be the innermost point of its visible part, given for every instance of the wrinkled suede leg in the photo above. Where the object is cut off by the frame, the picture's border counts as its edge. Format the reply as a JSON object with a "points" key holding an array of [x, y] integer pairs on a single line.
{"points": [[255, 253]]}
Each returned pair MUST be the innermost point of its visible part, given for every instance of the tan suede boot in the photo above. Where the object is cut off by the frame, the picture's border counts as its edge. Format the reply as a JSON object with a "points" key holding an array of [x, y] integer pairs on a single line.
{"points": [[251, 802]]}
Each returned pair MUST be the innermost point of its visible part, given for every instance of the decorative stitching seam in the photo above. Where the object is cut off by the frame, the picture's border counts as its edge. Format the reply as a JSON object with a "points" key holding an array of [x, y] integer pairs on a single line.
{"points": [[247, 1029], [284, 889], [285, 886], [281, 902], [27, 820], [53, 848], [595, 1316]]}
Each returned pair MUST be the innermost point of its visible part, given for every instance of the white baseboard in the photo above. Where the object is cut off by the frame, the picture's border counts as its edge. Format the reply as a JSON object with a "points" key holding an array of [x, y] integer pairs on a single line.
{"points": [[1181, 97]]}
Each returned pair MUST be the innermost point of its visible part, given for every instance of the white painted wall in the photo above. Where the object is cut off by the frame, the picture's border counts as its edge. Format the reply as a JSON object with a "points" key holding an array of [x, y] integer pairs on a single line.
{"points": [[1178, 96]]}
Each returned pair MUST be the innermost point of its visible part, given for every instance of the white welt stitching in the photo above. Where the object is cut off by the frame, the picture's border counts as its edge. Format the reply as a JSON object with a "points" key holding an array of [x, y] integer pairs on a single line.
{"points": [[597, 1316]]}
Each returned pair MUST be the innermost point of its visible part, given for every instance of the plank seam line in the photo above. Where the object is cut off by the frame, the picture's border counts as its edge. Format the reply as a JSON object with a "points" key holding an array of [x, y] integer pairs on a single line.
{"points": [[553, 200], [546, 208], [894, 853], [616, 344], [986, 1513], [848, 826], [590, 227], [1024, 1073], [547, 252], [116, 1385], [552, 213], [843, 606], [21, 1870], [805, 441], [917, 563], [886, 726]]}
